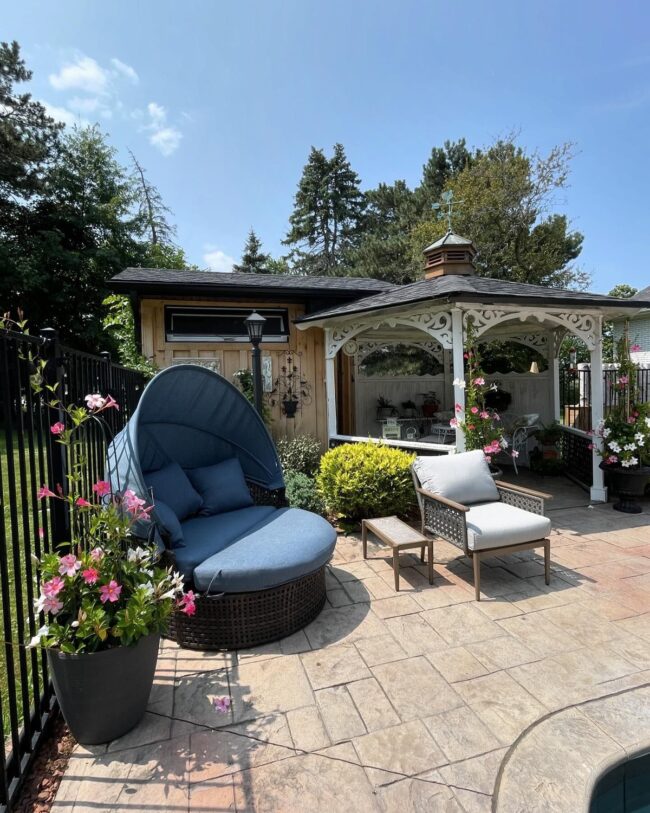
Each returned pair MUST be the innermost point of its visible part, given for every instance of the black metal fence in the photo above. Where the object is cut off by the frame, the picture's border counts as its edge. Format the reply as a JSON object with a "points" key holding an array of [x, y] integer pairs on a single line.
{"points": [[575, 394], [29, 458]]}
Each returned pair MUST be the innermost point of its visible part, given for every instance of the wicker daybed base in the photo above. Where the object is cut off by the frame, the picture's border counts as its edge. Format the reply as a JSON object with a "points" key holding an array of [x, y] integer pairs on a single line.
{"points": [[241, 620]]}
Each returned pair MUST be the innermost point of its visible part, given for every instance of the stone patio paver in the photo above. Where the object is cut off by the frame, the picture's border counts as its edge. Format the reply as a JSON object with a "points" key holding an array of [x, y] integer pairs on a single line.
{"points": [[404, 701]]}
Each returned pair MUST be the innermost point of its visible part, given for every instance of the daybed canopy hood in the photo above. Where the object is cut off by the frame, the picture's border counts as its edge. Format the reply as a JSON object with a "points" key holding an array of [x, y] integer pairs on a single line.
{"points": [[194, 417]]}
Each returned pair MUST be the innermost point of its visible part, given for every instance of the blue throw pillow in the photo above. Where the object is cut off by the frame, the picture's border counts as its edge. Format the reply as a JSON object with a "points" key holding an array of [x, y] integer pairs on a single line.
{"points": [[171, 485], [221, 486], [169, 525]]}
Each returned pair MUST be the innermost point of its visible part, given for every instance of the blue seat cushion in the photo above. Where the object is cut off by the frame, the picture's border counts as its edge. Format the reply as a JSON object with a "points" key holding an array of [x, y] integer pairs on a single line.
{"points": [[171, 485], [289, 544], [222, 487], [204, 536]]}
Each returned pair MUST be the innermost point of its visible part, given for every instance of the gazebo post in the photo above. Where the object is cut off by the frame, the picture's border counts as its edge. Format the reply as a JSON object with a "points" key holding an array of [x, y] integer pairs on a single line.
{"points": [[598, 491], [330, 387], [458, 369], [554, 370]]}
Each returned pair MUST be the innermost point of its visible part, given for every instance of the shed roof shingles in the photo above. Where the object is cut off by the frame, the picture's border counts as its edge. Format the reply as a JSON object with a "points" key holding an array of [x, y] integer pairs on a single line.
{"points": [[164, 277]]}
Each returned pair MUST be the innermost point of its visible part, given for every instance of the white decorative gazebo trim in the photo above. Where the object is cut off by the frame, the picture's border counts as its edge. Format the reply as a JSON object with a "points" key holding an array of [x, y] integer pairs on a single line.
{"points": [[362, 349], [584, 325]]}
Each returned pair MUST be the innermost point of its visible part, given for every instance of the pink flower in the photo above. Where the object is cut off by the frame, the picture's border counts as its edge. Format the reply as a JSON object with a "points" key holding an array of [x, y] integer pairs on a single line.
{"points": [[459, 407], [485, 415], [631, 419], [82, 503], [479, 382], [591, 447], [53, 587], [90, 575], [471, 426], [612, 459], [111, 403], [222, 704], [624, 380], [514, 454], [474, 410], [110, 592], [102, 487], [465, 355], [134, 505], [187, 603], [496, 417], [44, 491], [69, 565], [453, 422], [57, 428], [96, 554], [51, 604], [488, 458], [94, 401], [41, 533], [635, 348]]}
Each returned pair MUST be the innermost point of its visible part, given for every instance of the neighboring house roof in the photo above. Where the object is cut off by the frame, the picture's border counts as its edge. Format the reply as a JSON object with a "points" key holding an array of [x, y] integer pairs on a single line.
{"points": [[644, 294], [183, 283], [473, 289]]}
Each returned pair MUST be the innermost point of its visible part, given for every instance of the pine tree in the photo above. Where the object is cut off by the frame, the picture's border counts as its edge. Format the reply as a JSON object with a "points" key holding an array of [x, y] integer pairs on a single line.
{"points": [[327, 216], [253, 259], [153, 212]]}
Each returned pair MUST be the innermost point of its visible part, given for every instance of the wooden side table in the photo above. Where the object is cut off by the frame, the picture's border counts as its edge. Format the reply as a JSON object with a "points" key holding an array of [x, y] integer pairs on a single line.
{"points": [[399, 536]]}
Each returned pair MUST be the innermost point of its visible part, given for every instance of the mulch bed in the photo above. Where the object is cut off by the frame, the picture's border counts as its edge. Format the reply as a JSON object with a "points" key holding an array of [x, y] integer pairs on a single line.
{"points": [[46, 772]]}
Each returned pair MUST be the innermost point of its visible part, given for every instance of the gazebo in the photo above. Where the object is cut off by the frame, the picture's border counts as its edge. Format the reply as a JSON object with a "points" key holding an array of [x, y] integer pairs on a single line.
{"points": [[434, 313]]}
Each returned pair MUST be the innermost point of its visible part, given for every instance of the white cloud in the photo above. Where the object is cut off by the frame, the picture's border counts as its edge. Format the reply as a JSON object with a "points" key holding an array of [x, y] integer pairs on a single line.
{"points": [[125, 70], [217, 260], [84, 74], [84, 104], [164, 137], [68, 117]]}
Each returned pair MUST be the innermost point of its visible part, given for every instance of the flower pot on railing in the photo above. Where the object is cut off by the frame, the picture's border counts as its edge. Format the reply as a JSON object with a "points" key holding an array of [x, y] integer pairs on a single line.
{"points": [[103, 695], [629, 484]]}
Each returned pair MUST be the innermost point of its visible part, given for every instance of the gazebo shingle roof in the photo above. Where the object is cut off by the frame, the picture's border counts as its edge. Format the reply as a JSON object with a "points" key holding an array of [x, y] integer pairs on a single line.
{"points": [[474, 289]]}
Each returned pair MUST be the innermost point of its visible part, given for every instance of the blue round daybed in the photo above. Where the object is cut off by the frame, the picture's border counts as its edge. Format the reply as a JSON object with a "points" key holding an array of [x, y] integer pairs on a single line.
{"points": [[198, 450]]}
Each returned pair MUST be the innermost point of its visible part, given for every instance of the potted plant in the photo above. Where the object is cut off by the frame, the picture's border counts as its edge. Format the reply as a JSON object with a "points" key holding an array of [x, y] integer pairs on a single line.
{"points": [[385, 408], [104, 601], [480, 423], [549, 437], [410, 409], [290, 405], [624, 436], [430, 404]]}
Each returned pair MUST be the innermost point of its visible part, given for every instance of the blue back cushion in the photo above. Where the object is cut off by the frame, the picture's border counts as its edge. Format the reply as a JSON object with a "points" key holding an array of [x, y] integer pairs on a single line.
{"points": [[221, 486], [172, 486], [169, 524]]}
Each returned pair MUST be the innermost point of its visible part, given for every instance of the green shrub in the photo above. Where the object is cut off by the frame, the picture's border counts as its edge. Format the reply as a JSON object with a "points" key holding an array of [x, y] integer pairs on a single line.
{"points": [[301, 453], [302, 492], [364, 480]]}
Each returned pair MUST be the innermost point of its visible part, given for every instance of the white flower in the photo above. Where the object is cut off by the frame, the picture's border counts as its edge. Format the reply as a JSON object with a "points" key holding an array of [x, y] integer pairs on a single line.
{"points": [[640, 438], [629, 447], [606, 432], [36, 640], [647, 422], [614, 446], [504, 443], [459, 382], [136, 554]]}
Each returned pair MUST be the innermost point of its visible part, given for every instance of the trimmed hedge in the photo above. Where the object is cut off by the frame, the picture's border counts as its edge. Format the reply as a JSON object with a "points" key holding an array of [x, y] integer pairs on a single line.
{"points": [[301, 492], [302, 453], [364, 480]]}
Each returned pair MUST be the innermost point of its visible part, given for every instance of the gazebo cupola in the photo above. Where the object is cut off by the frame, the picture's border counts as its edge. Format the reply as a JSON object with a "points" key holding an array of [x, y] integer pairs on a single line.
{"points": [[452, 254]]}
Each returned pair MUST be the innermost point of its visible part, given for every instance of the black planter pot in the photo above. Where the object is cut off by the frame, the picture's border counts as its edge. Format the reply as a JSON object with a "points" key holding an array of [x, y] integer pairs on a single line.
{"points": [[495, 471], [103, 695], [629, 485], [290, 408]]}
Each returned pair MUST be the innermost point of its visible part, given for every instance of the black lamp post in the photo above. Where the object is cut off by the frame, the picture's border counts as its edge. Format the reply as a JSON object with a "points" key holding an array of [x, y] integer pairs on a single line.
{"points": [[255, 328]]}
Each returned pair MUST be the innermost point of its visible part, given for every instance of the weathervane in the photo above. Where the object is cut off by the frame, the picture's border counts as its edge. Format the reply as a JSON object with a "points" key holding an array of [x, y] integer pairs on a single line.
{"points": [[446, 208]]}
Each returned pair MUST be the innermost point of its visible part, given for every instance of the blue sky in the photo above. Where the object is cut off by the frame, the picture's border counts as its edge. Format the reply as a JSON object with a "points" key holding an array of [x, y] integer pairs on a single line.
{"points": [[221, 102]]}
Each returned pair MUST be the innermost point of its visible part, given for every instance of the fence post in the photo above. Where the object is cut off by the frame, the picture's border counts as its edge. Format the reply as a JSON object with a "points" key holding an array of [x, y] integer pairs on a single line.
{"points": [[56, 453]]}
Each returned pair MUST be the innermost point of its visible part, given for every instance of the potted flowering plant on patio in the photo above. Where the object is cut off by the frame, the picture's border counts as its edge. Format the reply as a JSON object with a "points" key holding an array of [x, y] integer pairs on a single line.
{"points": [[480, 423], [625, 436], [106, 600]]}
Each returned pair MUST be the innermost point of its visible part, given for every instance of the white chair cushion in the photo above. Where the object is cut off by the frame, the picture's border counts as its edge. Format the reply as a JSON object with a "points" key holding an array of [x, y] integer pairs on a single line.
{"points": [[496, 525], [464, 478]]}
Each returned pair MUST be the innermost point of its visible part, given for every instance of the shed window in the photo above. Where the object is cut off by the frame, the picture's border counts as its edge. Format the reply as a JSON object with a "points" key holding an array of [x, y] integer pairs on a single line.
{"points": [[222, 324]]}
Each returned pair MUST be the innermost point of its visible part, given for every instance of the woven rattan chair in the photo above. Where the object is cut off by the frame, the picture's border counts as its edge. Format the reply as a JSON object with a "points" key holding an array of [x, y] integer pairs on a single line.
{"points": [[459, 502]]}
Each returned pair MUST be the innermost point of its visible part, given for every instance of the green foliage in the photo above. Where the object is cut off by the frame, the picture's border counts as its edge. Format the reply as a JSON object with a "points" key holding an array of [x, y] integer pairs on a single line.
{"points": [[300, 454], [620, 291], [550, 433], [327, 216], [301, 492], [119, 323], [507, 194], [400, 360], [253, 260], [362, 480]]}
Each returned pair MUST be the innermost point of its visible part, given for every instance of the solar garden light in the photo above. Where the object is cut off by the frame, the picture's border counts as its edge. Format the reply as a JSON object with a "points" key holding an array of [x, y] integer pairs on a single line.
{"points": [[255, 327]]}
